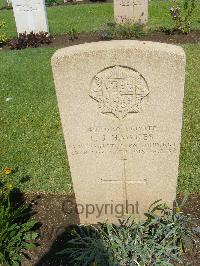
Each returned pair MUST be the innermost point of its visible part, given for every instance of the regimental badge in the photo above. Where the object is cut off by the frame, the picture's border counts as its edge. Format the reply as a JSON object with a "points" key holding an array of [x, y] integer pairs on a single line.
{"points": [[119, 90]]}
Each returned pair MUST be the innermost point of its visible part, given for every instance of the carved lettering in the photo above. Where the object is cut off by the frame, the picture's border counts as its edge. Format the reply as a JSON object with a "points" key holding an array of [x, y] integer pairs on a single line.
{"points": [[138, 139]]}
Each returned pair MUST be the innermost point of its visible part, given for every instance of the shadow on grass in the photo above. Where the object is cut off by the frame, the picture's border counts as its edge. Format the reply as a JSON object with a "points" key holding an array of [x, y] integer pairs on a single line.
{"points": [[57, 223], [17, 200], [51, 258]]}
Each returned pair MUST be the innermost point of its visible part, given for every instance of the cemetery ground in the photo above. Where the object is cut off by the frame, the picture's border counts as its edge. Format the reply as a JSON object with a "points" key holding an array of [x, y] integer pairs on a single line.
{"points": [[31, 137], [32, 140], [92, 17]]}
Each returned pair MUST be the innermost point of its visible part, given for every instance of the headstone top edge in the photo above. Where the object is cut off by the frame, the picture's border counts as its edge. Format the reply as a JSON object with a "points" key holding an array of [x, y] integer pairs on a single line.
{"points": [[117, 44], [27, 1]]}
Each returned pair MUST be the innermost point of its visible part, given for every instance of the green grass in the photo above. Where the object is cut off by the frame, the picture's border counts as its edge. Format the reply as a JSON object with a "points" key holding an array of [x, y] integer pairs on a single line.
{"points": [[189, 173], [91, 17], [31, 136], [3, 3]]}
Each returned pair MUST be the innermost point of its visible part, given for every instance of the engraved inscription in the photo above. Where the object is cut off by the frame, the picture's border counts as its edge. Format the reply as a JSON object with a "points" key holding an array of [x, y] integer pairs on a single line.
{"points": [[129, 2], [135, 140], [28, 8], [124, 143], [119, 90]]}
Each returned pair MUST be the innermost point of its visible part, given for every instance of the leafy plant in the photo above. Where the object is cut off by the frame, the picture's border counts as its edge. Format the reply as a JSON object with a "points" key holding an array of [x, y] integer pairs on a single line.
{"points": [[85, 247], [126, 30], [73, 34], [50, 2], [3, 37], [182, 15], [6, 182], [16, 233], [32, 39], [158, 240]]}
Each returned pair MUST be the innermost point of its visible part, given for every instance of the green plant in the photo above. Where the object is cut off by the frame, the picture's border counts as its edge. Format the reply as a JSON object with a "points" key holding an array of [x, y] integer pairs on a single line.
{"points": [[50, 2], [72, 34], [16, 232], [6, 182], [158, 240], [3, 37], [182, 15], [85, 247], [126, 30]]}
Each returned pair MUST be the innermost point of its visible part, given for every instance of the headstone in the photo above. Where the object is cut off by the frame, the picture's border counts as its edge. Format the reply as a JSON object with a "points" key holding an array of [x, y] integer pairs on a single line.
{"points": [[9, 2], [131, 11], [30, 15], [121, 106]]}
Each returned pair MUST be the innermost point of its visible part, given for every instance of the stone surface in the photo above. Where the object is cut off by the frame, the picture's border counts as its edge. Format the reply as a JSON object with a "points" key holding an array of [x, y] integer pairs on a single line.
{"points": [[30, 15], [131, 11], [121, 110]]}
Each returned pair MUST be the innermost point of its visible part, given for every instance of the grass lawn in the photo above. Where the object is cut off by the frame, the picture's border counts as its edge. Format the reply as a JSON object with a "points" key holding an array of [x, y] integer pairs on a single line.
{"points": [[91, 17], [31, 137]]}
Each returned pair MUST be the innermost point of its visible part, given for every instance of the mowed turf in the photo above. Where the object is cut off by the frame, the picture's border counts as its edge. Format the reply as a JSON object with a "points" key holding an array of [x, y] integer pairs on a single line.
{"points": [[31, 137], [91, 17], [189, 170]]}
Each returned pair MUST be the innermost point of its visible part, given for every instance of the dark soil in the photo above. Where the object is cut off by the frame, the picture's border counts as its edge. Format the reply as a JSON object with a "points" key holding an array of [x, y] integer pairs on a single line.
{"points": [[56, 213], [64, 41], [157, 36]]}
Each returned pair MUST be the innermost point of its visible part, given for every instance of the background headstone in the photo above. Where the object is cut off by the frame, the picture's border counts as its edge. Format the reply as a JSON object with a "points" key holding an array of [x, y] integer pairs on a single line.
{"points": [[121, 108], [131, 11], [9, 2], [30, 15]]}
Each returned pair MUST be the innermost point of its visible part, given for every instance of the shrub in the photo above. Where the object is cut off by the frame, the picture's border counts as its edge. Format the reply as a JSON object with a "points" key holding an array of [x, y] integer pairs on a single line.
{"points": [[3, 37], [16, 233], [32, 39], [51, 2], [126, 30], [158, 240], [72, 34], [182, 15]]}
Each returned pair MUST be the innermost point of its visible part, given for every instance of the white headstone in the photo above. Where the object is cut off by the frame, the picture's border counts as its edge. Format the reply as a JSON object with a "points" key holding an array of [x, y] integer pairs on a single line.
{"points": [[30, 15], [131, 11], [121, 105], [9, 2]]}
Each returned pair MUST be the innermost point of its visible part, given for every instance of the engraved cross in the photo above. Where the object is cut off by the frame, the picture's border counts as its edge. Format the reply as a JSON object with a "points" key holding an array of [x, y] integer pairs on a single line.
{"points": [[124, 179]]}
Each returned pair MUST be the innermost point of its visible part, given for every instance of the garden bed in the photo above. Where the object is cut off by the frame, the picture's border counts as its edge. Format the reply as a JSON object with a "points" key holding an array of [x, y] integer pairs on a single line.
{"points": [[157, 36], [55, 215]]}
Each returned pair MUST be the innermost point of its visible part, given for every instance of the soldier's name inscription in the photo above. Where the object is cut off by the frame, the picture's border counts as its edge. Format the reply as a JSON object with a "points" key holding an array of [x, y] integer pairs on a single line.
{"points": [[138, 139], [122, 133]]}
